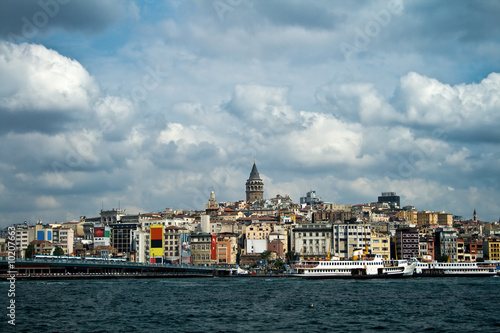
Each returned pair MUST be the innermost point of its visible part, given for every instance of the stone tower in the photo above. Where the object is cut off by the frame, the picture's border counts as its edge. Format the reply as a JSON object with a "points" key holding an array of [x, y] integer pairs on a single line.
{"points": [[474, 216], [254, 186]]}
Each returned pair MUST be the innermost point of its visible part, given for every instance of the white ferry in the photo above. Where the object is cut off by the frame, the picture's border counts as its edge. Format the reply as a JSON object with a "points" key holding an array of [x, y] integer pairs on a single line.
{"points": [[446, 269], [371, 266]]}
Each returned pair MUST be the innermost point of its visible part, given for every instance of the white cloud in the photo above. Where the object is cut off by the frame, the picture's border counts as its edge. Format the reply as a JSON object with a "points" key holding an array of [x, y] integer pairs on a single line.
{"points": [[36, 78], [185, 135], [262, 106], [427, 101], [324, 139]]}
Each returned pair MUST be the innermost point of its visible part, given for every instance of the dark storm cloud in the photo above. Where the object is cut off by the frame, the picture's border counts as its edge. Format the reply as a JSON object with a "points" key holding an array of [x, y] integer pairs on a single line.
{"points": [[33, 121], [436, 27], [21, 19]]}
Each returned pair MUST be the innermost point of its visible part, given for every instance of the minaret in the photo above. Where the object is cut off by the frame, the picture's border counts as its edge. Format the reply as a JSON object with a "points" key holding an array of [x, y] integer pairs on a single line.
{"points": [[254, 185], [474, 216]]}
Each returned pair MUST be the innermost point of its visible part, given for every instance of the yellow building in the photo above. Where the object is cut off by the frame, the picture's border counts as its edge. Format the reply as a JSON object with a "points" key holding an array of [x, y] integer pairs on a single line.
{"points": [[445, 219], [258, 231], [491, 248], [381, 244], [426, 218], [410, 216]]}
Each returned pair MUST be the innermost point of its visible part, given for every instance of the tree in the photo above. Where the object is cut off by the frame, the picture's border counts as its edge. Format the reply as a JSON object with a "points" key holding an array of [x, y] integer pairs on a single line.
{"points": [[29, 252], [58, 251], [290, 256], [266, 255]]}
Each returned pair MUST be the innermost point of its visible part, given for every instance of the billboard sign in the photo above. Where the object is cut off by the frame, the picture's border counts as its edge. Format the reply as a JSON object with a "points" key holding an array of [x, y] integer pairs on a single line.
{"points": [[156, 241], [99, 232]]}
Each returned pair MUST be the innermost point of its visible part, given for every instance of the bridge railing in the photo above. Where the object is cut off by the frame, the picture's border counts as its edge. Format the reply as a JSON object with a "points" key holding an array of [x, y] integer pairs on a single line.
{"points": [[119, 263]]}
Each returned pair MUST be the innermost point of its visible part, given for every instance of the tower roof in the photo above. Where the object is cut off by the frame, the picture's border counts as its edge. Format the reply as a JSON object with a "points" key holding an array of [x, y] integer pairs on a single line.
{"points": [[255, 173]]}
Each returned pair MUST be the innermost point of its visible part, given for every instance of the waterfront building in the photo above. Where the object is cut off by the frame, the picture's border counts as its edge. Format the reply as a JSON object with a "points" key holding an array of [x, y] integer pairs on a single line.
{"points": [[140, 245], [254, 186], [173, 244], [491, 248], [406, 243], [446, 244], [426, 247], [65, 239], [336, 239], [256, 237], [42, 247], [461, 255], [380, 244], [350, 236], [105, 252], [201, 248], [121, 237], [313, 240], [471, 248], [24, 236], [227, 248]]}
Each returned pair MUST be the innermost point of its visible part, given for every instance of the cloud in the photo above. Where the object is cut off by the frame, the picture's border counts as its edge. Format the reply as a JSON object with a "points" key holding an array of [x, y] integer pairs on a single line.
{"points": [[470, 108], [22, 19], [41, 90], [262, 105]]}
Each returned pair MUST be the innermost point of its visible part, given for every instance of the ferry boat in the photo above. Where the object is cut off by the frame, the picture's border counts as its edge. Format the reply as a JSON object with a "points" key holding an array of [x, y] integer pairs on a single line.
{"points": [[446, 269], [371, 266]]}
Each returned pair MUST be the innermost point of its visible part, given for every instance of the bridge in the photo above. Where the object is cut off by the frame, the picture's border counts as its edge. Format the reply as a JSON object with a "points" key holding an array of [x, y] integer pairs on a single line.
{"points": [[27, 269]]}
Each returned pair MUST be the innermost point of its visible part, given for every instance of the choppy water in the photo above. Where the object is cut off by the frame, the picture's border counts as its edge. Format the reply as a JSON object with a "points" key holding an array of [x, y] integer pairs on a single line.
{"points": [[256, 305]]}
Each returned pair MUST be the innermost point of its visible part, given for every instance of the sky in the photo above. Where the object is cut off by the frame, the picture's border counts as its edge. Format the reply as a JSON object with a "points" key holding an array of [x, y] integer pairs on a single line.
{"points": [[147, 105]]}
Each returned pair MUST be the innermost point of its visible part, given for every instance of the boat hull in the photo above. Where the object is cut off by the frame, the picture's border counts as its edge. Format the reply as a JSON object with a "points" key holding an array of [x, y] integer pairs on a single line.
{"points": [[376, 269]]}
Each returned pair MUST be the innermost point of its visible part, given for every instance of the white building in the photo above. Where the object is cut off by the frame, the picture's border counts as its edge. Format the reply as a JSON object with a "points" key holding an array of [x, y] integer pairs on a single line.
{"points": [[338, 239]]}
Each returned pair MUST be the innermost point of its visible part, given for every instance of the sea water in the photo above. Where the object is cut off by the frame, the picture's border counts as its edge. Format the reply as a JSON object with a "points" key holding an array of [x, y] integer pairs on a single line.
{"points": [[256, 305]]}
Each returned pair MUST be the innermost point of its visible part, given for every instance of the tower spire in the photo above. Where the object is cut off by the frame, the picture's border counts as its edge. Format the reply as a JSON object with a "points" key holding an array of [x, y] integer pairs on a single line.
{"points": [[254, 185]]}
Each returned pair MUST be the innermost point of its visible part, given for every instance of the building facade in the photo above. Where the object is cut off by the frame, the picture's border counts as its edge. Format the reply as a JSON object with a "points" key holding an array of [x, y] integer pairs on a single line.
{"points": [[446, 244], [407, 243]]}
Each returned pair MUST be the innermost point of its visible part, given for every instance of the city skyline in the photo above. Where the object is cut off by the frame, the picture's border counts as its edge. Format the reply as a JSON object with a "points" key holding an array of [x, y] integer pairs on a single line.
{"points": [[155, 105]]}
